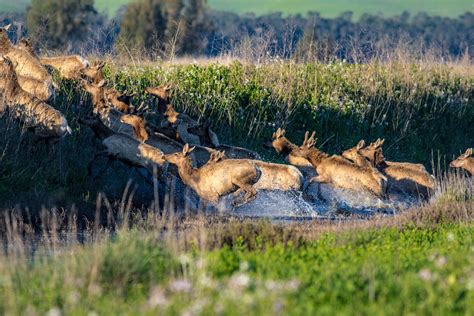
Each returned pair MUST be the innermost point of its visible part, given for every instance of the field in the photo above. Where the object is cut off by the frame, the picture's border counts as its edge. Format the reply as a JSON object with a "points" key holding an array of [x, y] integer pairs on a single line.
{"points": [[325, 7], [418, 264], [84, 235]]}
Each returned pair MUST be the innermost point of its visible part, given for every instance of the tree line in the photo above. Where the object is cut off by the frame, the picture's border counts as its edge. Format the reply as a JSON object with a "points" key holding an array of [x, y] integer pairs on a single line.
{"points": [[164, 28]]}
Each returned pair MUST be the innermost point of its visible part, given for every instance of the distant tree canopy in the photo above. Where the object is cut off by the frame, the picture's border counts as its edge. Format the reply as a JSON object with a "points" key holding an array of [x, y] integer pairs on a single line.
{"points": [[59, 24], [315, 36], [189, 27], [170, 26]]}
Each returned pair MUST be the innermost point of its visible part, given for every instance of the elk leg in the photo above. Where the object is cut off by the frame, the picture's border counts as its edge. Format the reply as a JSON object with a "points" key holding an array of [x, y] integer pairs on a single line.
{"points": [[249, 195], [320, 178]]}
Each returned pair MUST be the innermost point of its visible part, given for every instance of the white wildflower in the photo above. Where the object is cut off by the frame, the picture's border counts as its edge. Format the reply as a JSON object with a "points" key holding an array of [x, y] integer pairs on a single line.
{"points": [[54, 312], [239, 281], [441, 262], [425, 274], [157, 297], [180, 286]]}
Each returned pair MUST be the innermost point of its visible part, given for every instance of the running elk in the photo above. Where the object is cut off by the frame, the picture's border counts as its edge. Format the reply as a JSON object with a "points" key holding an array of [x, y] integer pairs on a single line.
{"points": [[212, 181], [47, 122], [339, 171], [402, 176]]}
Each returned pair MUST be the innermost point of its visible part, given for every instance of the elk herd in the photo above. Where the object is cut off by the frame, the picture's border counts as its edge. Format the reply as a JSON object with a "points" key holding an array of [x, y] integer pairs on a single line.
{"points": [[189, 149]]}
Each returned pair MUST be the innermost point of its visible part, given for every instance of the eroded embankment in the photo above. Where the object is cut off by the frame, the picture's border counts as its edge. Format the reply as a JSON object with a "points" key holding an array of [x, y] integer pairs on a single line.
{"points": [[421, 111]]}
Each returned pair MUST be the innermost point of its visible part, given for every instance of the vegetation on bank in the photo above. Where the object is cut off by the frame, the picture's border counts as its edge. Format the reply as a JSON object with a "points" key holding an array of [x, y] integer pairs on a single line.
{"points": [[421, 109], [408, 269], [424, 111]]}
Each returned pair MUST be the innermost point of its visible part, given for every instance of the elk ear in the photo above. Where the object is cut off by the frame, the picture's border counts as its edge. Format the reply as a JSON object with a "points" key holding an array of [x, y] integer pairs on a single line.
{"points": [[7, 27], [185, 149], [101, 83], [379, 143], [468, 153], [361, 144], [278, 132]]}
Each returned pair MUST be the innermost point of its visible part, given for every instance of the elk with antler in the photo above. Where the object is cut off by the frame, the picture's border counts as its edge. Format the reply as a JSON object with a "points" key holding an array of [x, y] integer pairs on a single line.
{"points": [[212, 181], [402, 176], [287, 149], [339, 171]]}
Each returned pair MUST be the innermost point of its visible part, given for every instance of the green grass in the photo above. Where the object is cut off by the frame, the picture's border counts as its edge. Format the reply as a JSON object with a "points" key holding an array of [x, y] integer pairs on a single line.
{"points": [[409, 270], [421, 110], [328, 8]]}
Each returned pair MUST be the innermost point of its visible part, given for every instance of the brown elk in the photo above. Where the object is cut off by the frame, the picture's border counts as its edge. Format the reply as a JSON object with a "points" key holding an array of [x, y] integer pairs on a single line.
{"points": [[339, 171], [402, 176], [208, 138], [69, 67], [181, 122], [25, 43], [116, 99], [105, 97], [95, 71], [162, 94], [287, 149], [127, 149], [97, 92], [25, 64], [46, 121], [464, 161], [139, 126], [40, 89], [212, 181], [374, 153]]}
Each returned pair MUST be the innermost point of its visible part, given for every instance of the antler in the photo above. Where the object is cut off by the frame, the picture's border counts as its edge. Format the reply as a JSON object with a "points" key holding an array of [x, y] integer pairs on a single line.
{"points": [[309, 142]]}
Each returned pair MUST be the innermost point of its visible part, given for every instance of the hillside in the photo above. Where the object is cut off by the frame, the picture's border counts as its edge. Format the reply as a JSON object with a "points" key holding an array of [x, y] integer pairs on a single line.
{"points": [[325, 7]]}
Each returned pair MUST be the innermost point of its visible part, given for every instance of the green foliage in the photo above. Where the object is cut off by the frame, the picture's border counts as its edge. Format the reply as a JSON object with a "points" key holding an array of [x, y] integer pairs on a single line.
{"points": [[57, 23], [406, 270], [421, 110], [167, 26], [418, 109]]}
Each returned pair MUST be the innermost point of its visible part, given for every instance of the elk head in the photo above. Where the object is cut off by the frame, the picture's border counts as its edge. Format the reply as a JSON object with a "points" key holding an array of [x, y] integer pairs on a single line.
{"points": [[374, 152], [354, 152], [463, 160], [178, 158], [5, 44]]}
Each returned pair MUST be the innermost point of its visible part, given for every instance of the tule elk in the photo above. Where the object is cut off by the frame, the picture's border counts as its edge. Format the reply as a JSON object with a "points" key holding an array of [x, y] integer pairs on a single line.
{"points": [[47, 122], [287, 149], [339, 171], [403, 176], [212, 181], [25, 64], [465, 161]]}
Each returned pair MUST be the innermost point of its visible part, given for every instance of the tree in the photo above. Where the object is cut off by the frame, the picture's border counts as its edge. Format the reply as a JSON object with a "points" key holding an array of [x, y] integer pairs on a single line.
{"points": [[143, 25], [60, 24], [165, 26]]}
